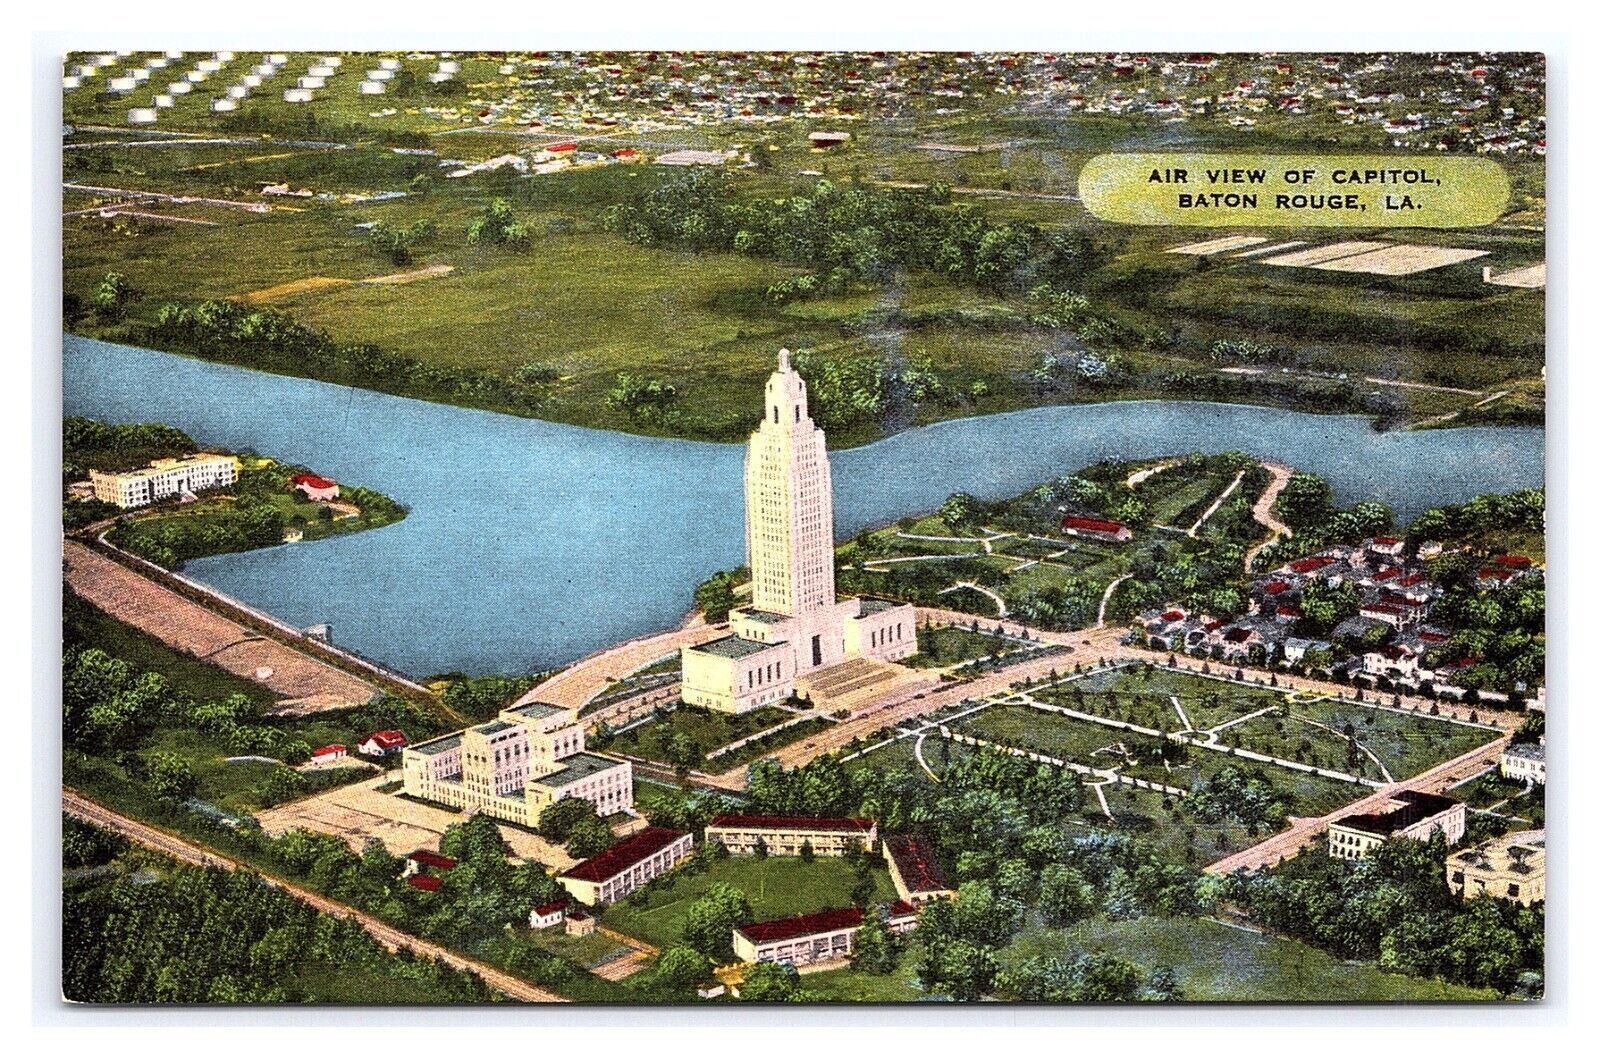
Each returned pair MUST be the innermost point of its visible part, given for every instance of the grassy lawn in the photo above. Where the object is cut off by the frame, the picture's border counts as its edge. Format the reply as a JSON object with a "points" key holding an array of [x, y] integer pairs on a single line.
{"points": [[705, 729], [1071, 739], [587, 952], [777, 887], [850, 985], [761, 747], [1217, 963], [950, 645]]}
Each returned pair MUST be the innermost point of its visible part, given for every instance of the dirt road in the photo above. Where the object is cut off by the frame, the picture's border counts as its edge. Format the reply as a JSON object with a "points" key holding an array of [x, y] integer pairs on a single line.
{"points": [[1262, 512], [80, 807]]}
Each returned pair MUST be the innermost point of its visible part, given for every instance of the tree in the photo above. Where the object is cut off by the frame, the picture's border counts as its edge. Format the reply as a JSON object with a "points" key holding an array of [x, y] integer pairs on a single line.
{"points": [[770, 982], [558, 820], [709, 922], [680, 969], [875, 950], [112, 294], [589, 837], [170, 778], [1065, 896]]}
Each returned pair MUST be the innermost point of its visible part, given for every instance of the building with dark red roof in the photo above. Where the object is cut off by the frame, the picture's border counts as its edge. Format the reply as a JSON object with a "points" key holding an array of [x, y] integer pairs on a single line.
{"points": [[817, 937], [428, 883], [918, 877], [627, 865], [1099, 528], [1306, 566], [789, 835], [1409, 814], [427, 858]]}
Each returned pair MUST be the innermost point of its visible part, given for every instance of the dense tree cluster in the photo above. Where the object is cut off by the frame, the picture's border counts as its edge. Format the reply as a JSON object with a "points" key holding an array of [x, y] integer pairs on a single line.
{"points": [[1393, 906], [86, 444], [234, 333], [845, 233], [210, 936], [1242, 796]]}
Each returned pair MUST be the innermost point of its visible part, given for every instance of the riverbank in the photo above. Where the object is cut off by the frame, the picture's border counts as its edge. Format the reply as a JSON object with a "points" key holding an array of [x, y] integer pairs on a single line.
{"points": [[589, 538]]}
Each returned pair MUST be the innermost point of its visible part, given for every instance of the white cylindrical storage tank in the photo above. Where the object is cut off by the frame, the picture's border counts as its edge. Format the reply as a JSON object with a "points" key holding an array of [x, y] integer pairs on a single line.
{"points": [[238, 91], [174, 55], [142, 116], [85, 70], [380, 75], [372, 88], [388, 64], [439, 78], [251, 80], [297, 95], [277, 58], [320, 71], [123, 54], [224, 56], [122, 84], [266, 69], [180, 88], [507, 68], [311, 82], [157, 63], [105, 58], [196, 76], [208, 66], [69, 82], [140, 76], [163, 101], [223, 104], [330, 60], [446, 66]]}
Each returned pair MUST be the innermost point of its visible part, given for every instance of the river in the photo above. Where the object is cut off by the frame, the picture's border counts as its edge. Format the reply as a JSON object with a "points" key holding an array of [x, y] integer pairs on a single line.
{"points": [[531, 543]]}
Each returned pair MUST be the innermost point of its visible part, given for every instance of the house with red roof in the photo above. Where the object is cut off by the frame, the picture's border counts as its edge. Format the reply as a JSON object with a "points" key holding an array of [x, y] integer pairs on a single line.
{"points": [[428, 883], [314, 487], [546, 915], [425, 860], [627, 865], [382, 743], [1096, 528], [788, 835], [1309, 566], [329, 753]]}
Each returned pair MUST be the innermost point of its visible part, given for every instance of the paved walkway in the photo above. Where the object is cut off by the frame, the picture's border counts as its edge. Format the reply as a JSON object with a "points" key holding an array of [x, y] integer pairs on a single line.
{"points": [[587, 678], [81, 807]]}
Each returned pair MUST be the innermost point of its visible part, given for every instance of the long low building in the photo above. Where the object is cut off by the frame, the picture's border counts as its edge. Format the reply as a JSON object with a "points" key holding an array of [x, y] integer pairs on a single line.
{"points": [[627, 865], [1510, 867], [1409, 814], [817, 937], [743, 835], [163, 478], [918, 877]]}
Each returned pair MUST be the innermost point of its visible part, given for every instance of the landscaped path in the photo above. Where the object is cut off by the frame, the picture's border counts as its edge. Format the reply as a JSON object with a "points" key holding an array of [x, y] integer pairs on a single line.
{"points": [[1194, 530], [1000, 604], [1262, 511], [1306, 831], [80, 807], [1105, 600], [1149, 472], [584, 679]]}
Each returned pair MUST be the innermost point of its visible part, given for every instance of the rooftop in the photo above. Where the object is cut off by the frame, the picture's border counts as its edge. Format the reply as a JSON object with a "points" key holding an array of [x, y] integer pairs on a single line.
{"points": [[624, 854], [1413, 807], [766, 617], [792, 823], [1525, 750], [872, 606], [577, 767], [732, 647], [438, 745], [802, 925], [535, 710], [913, 857]]}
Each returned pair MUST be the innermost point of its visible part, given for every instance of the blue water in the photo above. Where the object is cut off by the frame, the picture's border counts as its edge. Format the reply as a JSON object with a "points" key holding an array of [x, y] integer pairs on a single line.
{"points": [[531, 543]]}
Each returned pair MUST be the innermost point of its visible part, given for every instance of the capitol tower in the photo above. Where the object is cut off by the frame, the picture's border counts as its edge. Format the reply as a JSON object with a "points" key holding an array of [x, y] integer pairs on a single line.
{"points": [[795, 623]]}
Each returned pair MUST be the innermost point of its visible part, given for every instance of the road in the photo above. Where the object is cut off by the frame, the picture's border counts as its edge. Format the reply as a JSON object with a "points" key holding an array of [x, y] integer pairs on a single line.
{"points": [[1262, 511], [1302, 832], [81, 807], [586, 678]]}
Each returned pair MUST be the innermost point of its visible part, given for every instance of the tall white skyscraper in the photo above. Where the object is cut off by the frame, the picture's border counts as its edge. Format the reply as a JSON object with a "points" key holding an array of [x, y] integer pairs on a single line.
{"points": [[788, 496], [795, 624]]}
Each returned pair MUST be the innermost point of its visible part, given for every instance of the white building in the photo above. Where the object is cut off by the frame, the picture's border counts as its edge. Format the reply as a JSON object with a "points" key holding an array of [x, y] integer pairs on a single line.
{"points": [[1410, 814], [164, 477], [517, 765], [796, 623], [1523, 762], [822, 936], [630, 863]]}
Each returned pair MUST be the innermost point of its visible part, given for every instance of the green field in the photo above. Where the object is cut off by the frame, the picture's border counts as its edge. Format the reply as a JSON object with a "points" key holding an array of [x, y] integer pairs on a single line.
{"points": [[704, 729], [583, 305], [1215, 962], [777, 887]]}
